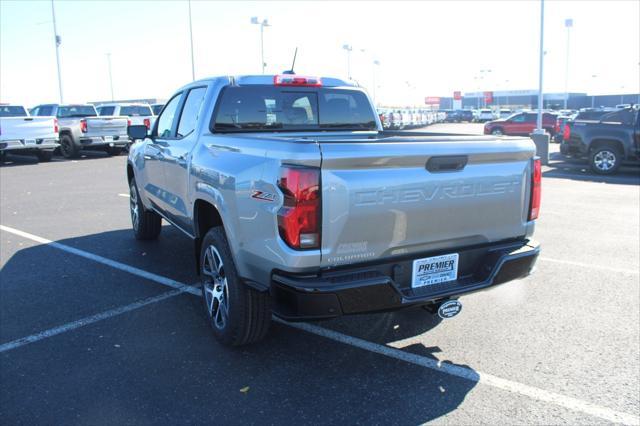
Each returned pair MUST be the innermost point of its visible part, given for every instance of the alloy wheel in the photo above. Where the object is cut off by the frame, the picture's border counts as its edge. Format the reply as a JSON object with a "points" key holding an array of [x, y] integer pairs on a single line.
{"points": [[604, 160], [216, 290]]}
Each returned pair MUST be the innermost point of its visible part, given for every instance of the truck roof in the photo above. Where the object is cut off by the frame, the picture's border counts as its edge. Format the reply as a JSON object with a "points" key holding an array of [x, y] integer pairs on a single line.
{"points": [[268, 79]]}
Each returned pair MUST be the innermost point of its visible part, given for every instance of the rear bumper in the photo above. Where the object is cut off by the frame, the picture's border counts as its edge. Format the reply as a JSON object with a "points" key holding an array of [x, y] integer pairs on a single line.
{"points": [[117, 140], [18, 145], [387, 286]]}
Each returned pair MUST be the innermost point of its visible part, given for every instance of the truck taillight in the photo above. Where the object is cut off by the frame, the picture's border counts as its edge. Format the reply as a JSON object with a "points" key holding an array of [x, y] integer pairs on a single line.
{"points": [[566, 132], [299, 216], [296, 80], [557, 126], [83, 126], [56, 129], [128, 122], [536, 190], [147, 123]]}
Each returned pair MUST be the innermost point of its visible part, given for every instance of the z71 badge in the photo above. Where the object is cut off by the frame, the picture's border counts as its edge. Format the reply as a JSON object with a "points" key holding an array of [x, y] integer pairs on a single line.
{"points": [[264, 196]]}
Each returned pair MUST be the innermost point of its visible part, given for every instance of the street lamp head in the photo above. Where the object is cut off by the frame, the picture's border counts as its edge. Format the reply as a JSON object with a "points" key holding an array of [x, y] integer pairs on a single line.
{"points": [[347, 47], [254, 20], [265, 23], [568, 22]]}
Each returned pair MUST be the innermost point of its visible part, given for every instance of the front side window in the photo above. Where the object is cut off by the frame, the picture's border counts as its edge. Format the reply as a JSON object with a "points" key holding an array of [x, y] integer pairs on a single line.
{"points": [[166, 119], [191, 111]]}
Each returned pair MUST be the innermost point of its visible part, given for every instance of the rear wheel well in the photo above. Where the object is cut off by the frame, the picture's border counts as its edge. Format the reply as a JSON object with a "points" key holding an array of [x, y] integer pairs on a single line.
{"points": [[597, 143], [205, 217], [129, 172]]}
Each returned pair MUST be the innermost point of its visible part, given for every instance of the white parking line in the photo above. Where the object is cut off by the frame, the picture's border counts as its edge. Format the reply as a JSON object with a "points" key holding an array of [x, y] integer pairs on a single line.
{"points": [[88, 320], [570, 403], [123, 195], [591, 266]]}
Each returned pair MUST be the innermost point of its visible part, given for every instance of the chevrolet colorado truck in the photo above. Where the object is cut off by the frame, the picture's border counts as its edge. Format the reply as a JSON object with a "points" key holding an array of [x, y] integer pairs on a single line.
{"points": [[21, 133], [299, 204], [606, 142], [81, 128]]}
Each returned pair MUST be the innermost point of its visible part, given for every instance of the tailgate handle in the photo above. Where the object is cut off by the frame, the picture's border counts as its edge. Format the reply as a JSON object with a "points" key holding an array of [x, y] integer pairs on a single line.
{"points": [[450, 163]]}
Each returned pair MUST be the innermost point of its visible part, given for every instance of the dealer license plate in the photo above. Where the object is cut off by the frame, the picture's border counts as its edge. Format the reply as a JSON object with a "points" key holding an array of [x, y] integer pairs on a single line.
{"points": [[29, 141], [435, 270], [108, 138]]}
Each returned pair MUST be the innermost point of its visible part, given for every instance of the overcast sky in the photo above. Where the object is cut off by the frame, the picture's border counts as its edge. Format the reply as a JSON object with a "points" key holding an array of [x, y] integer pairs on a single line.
{"points": [[428, 48]]}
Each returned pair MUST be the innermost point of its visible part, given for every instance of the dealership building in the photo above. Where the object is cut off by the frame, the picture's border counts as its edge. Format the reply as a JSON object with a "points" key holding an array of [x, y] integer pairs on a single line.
{"points": [[516, 99]]}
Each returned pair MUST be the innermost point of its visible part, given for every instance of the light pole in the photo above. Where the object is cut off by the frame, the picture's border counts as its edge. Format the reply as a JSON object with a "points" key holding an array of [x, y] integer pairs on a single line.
{"points": [[507, 96], [621, 94], [568, 23], [193, 67], [263, 23], [539, 129], [593, 96], [58, 41], [375, 64], [110, 78], [349, 49], [482, 74]]}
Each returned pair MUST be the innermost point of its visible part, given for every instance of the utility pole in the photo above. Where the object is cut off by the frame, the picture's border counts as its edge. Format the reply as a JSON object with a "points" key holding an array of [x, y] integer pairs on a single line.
{"points": [[58, 41], [541, 70], [375, 64], [193, 67], [110, 77], [568, 23]]}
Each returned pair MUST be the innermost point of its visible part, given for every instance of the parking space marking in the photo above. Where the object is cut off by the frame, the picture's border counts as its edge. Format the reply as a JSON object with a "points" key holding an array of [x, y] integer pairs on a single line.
{"points": [[542, 395], [568, 402], [105, 261], [591, 266], [123, 195], [88, 320]]}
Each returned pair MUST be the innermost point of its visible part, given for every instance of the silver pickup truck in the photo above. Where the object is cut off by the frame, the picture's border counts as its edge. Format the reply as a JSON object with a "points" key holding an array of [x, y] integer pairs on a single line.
{"points": [[300, 205], [81, 128]]}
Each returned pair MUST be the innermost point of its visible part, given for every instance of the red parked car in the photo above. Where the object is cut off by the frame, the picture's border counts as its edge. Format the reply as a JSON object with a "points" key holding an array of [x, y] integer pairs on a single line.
{"points": [[520, 124]]}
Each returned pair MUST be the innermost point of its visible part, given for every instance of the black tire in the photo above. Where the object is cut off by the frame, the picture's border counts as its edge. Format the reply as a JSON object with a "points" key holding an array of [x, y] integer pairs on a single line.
{"points": [[44, 156], [239, 315], [605, 159], [114, 150], [149, 223], [497, 131], [68, 148]]}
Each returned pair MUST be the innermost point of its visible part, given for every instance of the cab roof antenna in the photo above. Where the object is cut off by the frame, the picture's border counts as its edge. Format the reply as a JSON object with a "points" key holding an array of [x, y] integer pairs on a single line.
{"points": [[291, 71]]}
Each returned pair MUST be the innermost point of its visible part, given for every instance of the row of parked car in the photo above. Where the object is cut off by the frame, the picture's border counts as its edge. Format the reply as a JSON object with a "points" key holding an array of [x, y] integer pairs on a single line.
{"points": [[67, 129], [398, 119]]}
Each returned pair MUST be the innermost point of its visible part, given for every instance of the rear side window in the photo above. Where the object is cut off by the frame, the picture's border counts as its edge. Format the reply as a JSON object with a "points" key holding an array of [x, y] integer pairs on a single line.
{"points": [[135, 111], [191, 111], [590, 115], [271, 108], [12, 111], [106, 110]]}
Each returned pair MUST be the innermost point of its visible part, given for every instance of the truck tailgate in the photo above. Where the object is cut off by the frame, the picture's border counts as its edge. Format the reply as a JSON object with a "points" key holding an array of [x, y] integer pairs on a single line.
{"points": [[27, 128], [106, 126], [406, 195]]}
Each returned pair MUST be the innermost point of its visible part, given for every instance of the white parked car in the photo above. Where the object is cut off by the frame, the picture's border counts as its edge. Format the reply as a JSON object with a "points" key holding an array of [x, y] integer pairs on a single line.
{"points": [[504, 113], [485, 115]]}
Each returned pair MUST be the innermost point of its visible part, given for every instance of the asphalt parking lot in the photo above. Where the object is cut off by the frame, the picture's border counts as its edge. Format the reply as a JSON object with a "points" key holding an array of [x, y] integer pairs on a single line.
{"points": [[98, 328]]}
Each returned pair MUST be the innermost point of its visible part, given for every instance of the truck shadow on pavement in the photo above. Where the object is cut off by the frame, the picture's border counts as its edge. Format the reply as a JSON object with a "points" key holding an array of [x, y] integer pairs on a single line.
{"points": [[161, 363], [574, 169], [16, 160]]}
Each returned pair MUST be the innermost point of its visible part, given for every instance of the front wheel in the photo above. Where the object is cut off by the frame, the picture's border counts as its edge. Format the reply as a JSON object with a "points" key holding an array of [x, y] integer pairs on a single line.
{"points": [[605, 159], [44, 156], [146, 224], [237, 313], [497, 132]]}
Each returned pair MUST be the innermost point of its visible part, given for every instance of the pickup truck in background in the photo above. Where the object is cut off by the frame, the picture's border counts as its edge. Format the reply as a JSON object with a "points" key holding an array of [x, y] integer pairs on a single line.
{"points": [[137, 113], [21, 133], [81, 128], [606, 142], [299, 204]]}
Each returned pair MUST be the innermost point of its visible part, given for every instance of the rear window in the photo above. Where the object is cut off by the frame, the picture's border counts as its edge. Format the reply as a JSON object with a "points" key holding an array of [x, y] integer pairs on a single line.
{"points": [[157, 108], [590, 115], [271, 108], [12, 111], [136, 110], [77, 111]]}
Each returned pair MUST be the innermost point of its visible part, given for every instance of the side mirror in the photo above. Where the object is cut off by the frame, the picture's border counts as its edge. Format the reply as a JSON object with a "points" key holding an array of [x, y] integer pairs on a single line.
{"points": [[137, 132]]}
